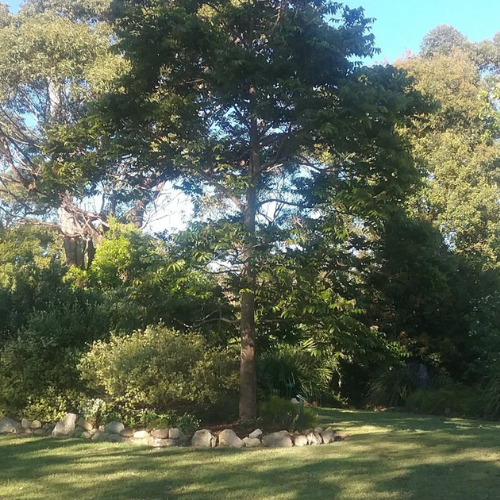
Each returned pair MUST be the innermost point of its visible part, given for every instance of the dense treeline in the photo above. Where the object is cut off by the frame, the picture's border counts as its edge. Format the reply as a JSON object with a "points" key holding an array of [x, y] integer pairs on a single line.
{"points": [[345, 218]]}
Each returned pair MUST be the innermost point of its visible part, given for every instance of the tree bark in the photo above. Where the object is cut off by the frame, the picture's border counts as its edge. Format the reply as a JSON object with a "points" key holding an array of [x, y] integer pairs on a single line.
{"points": [[248, 377]]}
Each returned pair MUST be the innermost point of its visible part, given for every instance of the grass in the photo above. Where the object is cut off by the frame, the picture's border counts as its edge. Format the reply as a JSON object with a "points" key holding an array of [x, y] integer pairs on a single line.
{"points": [[388, 456]]}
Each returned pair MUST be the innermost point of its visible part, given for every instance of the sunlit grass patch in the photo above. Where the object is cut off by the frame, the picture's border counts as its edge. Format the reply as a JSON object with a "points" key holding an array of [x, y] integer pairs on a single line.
{"points": [[387, 456]]}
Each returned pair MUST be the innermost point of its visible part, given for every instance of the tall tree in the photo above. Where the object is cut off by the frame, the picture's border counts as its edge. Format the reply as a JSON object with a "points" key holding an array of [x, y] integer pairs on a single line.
{"points": [[56, 56], [459, 148], [260, 104]]}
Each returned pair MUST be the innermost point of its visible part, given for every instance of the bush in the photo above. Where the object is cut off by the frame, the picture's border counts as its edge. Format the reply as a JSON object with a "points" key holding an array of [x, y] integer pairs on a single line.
{"points": [[52, 406], [452, 399], [391, 387], [282, 414], [161, 370], [288, 370]]}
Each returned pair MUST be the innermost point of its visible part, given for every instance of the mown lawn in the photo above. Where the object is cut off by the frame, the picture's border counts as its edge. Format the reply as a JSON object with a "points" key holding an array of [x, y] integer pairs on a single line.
{"points": [[388, 456]]}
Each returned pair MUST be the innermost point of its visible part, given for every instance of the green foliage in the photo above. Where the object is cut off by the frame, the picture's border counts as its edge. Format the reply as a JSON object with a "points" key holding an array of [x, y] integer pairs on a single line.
{"points": [[52, 405], [288, 370], [281, 413], [391, 387], [160, 369], [491, 395], [145, 280], [451, 399]]}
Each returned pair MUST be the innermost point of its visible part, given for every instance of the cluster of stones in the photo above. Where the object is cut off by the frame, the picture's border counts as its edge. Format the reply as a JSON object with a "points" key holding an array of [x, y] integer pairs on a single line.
{"points": [[116, 432]]}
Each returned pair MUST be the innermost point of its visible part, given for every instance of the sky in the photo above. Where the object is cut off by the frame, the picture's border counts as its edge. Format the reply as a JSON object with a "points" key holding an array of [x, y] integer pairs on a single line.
{"points": [[401, 24]]}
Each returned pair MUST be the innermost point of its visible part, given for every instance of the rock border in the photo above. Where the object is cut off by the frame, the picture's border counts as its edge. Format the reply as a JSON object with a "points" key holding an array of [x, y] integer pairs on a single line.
{"points": [[73, 426]]}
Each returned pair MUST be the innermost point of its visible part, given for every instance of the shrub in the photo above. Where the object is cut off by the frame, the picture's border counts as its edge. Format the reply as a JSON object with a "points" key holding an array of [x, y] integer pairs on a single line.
{"points": [[283, 414], [391, 387], [288, 370], [452, 399], [161, 370], [52, 406]]}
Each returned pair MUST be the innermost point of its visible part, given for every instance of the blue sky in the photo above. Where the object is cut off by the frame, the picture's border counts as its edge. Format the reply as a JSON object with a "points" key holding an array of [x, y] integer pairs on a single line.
{"points": [[401, 24]]}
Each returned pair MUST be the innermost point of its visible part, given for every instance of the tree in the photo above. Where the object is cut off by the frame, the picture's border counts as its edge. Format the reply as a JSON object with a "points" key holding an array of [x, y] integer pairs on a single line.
{"points": [[458, 149], [56, 57], [262, 105]]}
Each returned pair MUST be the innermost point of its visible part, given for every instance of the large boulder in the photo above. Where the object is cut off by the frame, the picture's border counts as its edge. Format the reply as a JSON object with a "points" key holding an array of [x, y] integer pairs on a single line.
{"points": [[8, 426], [277, 440], [203, 439], [65, 427], [36, 424], [174, 433], [164, 443], [25, 424], [252, 442], [229, 439], [144, 441], [141, 435], [328, 436], [300, 440], [84, 424], [114, 427], [257, 433], [313, 438], [161, 434]]}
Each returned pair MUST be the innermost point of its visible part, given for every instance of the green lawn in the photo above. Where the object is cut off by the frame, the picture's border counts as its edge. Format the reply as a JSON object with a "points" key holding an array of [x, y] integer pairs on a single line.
{"points": [[388, 456]]}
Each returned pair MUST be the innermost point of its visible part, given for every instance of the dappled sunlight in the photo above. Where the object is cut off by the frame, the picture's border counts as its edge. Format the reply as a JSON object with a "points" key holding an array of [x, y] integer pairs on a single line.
{"points": [[397, 456]]}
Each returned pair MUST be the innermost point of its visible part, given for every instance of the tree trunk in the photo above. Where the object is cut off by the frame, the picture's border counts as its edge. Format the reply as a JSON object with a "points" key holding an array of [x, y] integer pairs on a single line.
{"points": [[248, 377], [73, 249]]}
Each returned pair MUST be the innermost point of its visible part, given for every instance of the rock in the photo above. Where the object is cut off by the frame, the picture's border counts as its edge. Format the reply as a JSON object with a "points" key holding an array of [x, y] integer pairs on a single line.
{"points": [[295, 401], [174, 433], [277, 440], [8, 426], [115, 438], [92, 431], [300, 440], [257, 433], [161, 434], [229, 439], [163, 443], [65, 427], [86, 435], [101, 428], [114, 427], [141, 435], [77, 432], [284, 433], [84, 424], [144, 441], [328, 436], [319, 430], [203, 439], [313, 438], [100, 436], [251, 442], [36, 424], [40, 432], [127, 432], [25, 424]]}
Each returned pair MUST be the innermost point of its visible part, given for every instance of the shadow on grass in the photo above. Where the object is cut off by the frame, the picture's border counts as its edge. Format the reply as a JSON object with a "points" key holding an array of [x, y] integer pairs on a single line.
{"points": [[405, 457]]}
